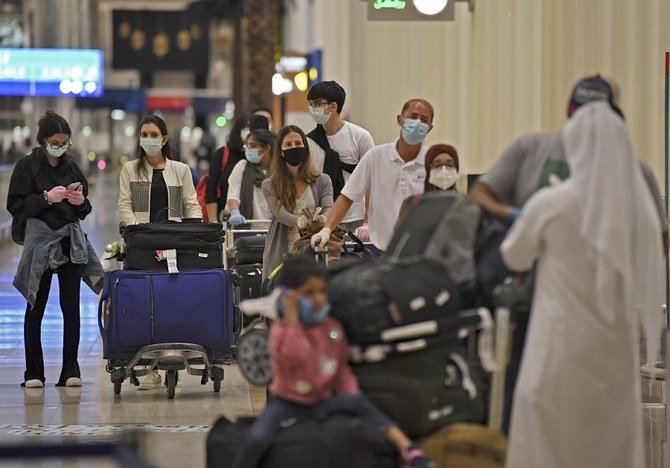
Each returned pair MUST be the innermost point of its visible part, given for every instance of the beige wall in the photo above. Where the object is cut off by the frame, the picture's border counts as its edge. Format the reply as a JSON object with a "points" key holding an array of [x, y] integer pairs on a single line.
{"points": [[501, 71]]}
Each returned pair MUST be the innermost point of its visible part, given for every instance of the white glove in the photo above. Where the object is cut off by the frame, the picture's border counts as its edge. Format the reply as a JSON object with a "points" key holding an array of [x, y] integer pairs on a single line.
{"points": [[363, 233], [321, 238]]}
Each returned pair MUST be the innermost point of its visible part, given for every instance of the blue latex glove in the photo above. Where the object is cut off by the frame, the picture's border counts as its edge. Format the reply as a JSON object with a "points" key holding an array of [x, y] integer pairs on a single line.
{"points": [[236, 218], [514, 215]]}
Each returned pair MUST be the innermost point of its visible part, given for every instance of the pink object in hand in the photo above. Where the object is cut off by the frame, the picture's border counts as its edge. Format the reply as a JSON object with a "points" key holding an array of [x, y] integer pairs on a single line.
{"points": [[57, 194]]}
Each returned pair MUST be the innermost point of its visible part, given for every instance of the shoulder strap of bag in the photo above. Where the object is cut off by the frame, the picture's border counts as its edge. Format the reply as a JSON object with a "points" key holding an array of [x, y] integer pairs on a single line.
{"points": [[224, 158]]}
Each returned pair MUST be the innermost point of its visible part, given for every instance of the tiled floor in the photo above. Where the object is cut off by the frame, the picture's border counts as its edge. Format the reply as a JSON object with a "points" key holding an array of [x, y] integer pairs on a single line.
{"points": [[175, 429]]}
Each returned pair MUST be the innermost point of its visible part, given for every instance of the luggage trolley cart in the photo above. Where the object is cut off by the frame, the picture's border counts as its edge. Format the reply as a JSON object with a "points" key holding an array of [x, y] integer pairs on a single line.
{"points": [[232, 237], [147, 303], [170, 357]]}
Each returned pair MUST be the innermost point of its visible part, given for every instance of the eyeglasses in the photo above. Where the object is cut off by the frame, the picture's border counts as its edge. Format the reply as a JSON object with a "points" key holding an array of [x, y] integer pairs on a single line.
{"points": [[317, 105], [66, 145]]}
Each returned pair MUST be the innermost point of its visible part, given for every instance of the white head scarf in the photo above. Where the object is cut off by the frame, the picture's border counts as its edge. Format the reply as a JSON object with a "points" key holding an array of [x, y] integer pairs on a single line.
{"points": [[618, 218]]}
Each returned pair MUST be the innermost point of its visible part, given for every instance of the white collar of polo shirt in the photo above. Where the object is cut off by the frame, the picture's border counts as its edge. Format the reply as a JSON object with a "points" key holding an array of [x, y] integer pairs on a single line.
{"points": [[395, 156]]}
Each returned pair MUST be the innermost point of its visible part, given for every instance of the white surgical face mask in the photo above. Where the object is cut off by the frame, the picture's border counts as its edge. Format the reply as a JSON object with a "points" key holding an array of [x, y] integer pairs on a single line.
{"points": [[244, 133], [318, 115], [443, 177], [56, 153], [151, 146]]}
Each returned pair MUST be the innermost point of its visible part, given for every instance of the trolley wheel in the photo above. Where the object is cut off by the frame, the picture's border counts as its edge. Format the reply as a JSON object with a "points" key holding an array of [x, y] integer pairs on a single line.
{"points": [[217, 386], [171, 382], [117, 387]]}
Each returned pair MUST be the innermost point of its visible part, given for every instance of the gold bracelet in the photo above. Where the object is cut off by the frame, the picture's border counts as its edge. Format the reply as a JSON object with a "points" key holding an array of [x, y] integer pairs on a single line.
{"points": [[46, 198]]}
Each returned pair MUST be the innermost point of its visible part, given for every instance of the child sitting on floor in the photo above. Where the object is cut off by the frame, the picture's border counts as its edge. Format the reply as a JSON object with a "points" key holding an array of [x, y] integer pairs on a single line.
{"points": [[309, 355]]}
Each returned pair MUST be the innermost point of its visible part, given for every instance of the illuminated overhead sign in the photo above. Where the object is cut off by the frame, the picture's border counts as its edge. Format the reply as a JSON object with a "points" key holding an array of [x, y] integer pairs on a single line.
{"points": [[411, 10], [51, 72]]}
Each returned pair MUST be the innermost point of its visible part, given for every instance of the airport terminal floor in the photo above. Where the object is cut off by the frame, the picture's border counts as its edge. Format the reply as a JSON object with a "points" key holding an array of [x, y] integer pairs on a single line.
{"points": [[174, 430]]}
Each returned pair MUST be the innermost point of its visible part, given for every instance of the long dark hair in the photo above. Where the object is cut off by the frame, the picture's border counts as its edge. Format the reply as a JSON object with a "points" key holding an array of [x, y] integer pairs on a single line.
{"points": [[166, 151], [281, 177], [234, 141], [48, 125]]}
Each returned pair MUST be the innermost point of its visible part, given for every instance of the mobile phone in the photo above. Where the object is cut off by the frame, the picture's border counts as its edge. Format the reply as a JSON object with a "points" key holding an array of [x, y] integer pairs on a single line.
{"points": [[73, 186]]}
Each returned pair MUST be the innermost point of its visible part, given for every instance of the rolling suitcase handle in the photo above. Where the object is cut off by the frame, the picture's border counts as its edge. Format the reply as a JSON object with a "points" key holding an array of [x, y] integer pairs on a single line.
{"points": [[496, 404]]}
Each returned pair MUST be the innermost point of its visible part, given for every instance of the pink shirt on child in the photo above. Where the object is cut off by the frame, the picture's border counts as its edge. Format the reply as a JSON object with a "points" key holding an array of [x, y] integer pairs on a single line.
{"points": [[310, 363]]}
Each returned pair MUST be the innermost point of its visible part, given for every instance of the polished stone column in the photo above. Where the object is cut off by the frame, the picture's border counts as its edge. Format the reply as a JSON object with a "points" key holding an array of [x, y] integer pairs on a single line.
{"points": [[259, 38]]}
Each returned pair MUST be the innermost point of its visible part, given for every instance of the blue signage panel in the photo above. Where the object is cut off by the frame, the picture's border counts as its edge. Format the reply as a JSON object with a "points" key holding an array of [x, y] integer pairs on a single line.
{"points": [[51, 72]]}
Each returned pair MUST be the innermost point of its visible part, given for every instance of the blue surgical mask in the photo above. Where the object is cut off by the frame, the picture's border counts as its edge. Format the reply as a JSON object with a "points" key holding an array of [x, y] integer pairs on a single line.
{"points": [[151, 146], [318, 115], [306, 313], [414, 131], [252, 155]]}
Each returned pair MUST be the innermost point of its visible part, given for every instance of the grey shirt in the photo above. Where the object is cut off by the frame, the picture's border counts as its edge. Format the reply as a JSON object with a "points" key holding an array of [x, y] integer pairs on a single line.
{"points": [[527, 164], [276, 245]]}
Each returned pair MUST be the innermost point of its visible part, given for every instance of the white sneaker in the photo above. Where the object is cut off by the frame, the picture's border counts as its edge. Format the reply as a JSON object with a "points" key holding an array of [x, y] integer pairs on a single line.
{"points": [[73, 382], [151, 380], [33, 383]]}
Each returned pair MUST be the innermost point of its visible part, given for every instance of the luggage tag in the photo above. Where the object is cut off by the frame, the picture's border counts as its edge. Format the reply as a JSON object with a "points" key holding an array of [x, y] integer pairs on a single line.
{"points": [[171, 257]]}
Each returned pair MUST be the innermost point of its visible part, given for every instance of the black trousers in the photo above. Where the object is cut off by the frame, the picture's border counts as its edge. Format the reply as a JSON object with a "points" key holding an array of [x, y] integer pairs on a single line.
{"points": [[69, 285]]}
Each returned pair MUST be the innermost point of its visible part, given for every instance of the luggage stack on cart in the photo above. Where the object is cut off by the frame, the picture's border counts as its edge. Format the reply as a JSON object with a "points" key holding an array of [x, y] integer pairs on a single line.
{"points": [[173, 307], [421, 346]]}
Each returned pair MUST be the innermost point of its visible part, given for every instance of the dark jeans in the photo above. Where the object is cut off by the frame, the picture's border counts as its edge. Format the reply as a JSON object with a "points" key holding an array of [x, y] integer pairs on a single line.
{"points": [[520, 320], [69, 282], [279, 412]]}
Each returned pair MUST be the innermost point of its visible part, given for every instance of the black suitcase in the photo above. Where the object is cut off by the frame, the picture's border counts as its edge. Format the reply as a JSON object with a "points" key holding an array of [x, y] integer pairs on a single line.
{"points": [[249, 250], [343, 441], [251, 280], [360, 295], [426, 390], [199, 246]]}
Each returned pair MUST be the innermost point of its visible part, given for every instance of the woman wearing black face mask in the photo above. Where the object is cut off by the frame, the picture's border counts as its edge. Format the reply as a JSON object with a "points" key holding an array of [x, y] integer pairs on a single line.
{"points": [[294, 185]]}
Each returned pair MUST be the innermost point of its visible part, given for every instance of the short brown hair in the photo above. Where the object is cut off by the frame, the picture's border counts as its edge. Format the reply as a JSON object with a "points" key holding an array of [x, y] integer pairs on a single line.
{"points": [[422, 101]]}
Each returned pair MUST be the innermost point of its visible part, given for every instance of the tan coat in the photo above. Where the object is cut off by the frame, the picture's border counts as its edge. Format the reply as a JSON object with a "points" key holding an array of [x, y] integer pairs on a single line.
{"points": [[135, 193]]}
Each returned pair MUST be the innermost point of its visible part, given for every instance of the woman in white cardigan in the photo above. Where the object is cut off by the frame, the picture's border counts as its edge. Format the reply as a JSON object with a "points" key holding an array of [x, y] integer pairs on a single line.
{"points": [[154, 187]]}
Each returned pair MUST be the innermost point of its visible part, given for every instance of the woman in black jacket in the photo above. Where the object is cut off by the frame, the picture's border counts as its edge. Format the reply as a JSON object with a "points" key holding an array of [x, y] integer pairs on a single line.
{"points": [[47, 199]]}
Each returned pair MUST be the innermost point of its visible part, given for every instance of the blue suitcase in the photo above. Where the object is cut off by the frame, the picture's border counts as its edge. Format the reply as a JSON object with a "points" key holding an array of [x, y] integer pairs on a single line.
{"points": [[139, 308]]}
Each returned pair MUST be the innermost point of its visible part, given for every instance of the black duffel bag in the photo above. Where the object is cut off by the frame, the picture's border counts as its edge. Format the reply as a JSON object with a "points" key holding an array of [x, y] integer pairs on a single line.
{"points": [[198, 245], [425, 390], [360, 294], [341, 441]]}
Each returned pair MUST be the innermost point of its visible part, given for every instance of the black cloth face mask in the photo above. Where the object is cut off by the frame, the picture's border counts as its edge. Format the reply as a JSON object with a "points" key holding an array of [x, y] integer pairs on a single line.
{"points": [[295, 156]]}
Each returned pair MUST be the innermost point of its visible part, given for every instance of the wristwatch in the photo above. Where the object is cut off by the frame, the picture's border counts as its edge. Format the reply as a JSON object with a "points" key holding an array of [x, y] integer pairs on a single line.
{"points": [[46, 198]]}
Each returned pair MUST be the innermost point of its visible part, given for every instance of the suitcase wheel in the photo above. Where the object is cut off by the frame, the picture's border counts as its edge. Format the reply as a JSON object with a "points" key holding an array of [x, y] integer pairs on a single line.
{"points": [[117, 386], [217, 377]]}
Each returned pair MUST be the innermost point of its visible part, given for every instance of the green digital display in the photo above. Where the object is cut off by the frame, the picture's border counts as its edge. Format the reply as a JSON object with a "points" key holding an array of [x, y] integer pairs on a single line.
{"points": [[390, 4]]}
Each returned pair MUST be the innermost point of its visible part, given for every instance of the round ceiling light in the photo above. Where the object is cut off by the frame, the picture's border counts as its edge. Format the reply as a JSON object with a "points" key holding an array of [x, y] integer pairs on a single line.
{"points": [[430, 7]]}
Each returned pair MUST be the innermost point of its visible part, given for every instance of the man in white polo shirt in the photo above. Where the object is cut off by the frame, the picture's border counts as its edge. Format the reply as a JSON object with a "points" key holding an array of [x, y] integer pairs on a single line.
{"points": [[391, 173]]}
